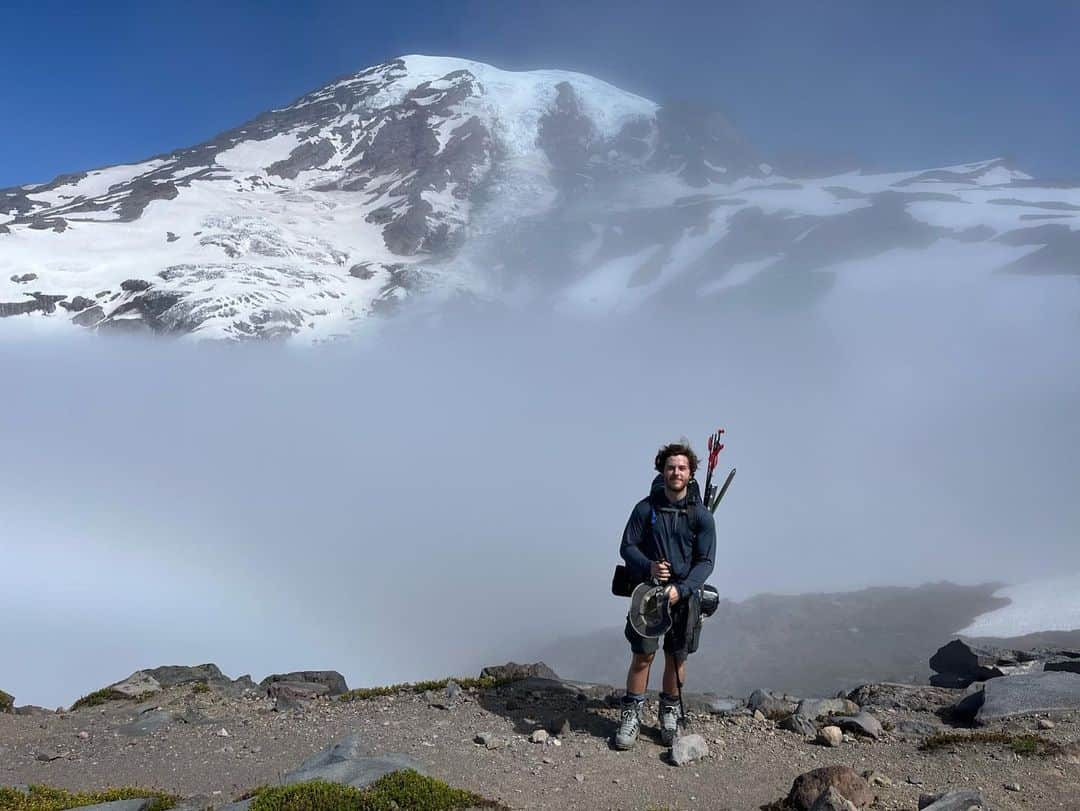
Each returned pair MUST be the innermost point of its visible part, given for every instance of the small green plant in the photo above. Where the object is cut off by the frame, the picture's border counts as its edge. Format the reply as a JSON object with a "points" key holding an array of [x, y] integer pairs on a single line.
{"points": [[46, 798], [200, 687], [101, 696], [482, 683], [1026, 744], [398, 790], [7, 702]]}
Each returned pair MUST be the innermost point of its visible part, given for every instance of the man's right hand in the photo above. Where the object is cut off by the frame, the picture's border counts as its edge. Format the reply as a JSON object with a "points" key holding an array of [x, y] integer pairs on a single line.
{"points": [[661, 571]]}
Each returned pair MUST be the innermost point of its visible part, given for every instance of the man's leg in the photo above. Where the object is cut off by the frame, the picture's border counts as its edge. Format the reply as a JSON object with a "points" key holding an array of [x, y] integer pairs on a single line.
{"points": [[637, 681], [637, 678], [674, 666]]}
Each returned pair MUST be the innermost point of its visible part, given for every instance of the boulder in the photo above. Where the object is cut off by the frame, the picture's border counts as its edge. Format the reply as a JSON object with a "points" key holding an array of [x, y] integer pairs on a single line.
{"points": [[173, 675], [959, 663], [134, 285], [957, 800], [809, 786], [288, 695], [346, 762], [815, 708], [89, 316], [830, 736], [894, 696], [772, 705], [688, 748], [799, 724], [832, 800], [32, 709], [862, 723], [512, 671], [1020, 695], [7, 702], [334, 681], [1063, 665], [138, 684]]}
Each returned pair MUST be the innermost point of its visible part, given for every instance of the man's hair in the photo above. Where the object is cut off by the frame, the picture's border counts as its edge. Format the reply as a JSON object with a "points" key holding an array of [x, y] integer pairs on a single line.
{"points": [[680, 448]]}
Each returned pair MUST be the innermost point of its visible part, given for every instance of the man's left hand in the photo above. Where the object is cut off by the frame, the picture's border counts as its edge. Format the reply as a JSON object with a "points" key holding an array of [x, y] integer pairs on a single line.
{"points": [[673, 595]]}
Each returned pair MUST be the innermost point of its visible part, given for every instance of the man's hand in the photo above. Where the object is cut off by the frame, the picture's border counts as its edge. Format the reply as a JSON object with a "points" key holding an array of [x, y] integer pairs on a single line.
{"points": [[661, 571], [673, 595]]}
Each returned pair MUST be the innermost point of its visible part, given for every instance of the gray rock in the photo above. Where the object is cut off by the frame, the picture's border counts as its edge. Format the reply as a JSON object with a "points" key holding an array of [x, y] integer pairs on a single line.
{"points": [[1063, 665], [89, 317], [1020, 695], [334, 681], [148, 722], [240, 805], [539, 736], [346, 762], [138, 684], [830, 736], [815, 708], [772, 705], [957, 800], [913, 726], [862, 723], [799, 724], [489, 740], [134, 285], [121, 805], [559, 726], [173, 675], [688, 748], [832, 800], [1043, 723]]}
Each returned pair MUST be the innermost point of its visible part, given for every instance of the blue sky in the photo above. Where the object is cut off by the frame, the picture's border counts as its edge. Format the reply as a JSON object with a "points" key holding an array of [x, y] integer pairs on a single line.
{"points": [[896, 84]]}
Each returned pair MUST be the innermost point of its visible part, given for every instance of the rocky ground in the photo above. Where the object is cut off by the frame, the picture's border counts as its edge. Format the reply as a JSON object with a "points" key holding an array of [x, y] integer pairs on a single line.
{"points": [[214, 744]]}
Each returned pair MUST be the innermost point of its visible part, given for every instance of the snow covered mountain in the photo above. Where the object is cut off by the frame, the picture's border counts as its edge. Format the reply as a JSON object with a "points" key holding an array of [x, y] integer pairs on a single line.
{"points": [[427, 178]]}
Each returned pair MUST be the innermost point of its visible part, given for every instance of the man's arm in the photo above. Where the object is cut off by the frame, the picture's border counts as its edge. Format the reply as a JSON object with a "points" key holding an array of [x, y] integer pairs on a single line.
{"points": [[630, 548], [704, 555]]}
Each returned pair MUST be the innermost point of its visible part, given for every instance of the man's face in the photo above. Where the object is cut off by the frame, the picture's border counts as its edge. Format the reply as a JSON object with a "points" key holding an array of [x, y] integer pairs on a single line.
{"points": [[677, 473]]}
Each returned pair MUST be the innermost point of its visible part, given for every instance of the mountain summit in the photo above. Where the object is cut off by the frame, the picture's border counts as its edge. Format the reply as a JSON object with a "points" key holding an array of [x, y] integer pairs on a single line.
{"points": [[447, 177]]}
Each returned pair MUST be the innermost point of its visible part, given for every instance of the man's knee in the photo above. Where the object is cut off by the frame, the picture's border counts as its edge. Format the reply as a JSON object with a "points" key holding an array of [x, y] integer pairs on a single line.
{"points": [[643, 659]]}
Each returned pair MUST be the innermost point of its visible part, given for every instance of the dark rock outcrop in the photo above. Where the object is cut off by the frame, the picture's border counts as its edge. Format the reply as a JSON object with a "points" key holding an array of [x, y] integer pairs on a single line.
{"points": [[333, 681], [512, 671]]}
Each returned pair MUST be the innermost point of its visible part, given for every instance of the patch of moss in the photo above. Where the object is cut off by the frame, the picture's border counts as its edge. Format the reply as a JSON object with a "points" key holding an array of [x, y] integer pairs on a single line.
{"points": [[482, 683], [200, 687], [46, 798], [1020, 744], [398, 790], [7, 702], [100, 697]]}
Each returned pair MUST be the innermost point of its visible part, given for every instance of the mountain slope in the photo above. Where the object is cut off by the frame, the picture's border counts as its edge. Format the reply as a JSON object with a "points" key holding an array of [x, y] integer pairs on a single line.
{"points": [[450, 177]]}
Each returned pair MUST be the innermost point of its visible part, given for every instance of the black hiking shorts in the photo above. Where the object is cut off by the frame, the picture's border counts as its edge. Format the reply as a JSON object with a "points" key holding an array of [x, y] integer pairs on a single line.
{"points": [[677, 642]]}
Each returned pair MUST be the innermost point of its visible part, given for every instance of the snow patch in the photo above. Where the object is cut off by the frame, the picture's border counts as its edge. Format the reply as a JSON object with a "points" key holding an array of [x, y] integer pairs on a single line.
{"points": [[1044, 605]]}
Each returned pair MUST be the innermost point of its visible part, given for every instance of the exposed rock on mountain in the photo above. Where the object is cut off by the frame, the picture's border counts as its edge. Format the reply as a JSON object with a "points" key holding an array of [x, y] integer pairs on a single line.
{"points": [[440, 177]]}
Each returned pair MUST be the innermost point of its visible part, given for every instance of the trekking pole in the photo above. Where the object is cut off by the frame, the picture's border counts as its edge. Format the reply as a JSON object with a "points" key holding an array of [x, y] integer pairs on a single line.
{"points": [[720, 495], [715, 446]]}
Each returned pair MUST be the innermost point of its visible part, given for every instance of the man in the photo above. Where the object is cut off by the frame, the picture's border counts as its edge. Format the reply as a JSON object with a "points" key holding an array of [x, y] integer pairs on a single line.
{"points": [[670, 538]]}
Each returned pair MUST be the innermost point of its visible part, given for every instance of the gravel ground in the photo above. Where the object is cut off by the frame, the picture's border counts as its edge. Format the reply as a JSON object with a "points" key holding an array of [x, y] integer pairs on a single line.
{"points": [[229, 745]]}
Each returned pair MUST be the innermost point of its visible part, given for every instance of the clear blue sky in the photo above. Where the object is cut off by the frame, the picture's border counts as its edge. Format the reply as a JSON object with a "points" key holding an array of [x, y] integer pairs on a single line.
{"points": [[899, 84]]}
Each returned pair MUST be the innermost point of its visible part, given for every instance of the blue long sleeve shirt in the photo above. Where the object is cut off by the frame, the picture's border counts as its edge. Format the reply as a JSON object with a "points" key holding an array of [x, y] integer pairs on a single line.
{"points": [[660, 530]]}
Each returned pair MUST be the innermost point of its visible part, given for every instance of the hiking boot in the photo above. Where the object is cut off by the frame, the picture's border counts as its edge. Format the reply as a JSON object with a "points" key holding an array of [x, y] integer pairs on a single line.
{"points": [[629, 725], [669, 721]]}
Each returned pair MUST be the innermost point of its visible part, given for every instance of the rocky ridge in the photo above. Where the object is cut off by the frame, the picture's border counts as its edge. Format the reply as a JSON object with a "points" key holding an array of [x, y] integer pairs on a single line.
{"points": [[529, 739]]}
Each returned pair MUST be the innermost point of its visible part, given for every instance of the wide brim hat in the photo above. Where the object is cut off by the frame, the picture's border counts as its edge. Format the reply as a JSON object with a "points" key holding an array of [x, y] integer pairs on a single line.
{"points": [[650, 611]]}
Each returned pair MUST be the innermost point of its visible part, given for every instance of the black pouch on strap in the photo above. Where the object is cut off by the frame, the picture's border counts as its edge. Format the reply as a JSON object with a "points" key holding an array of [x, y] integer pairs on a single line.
{"points": [[693, 622], [623, 582]]}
